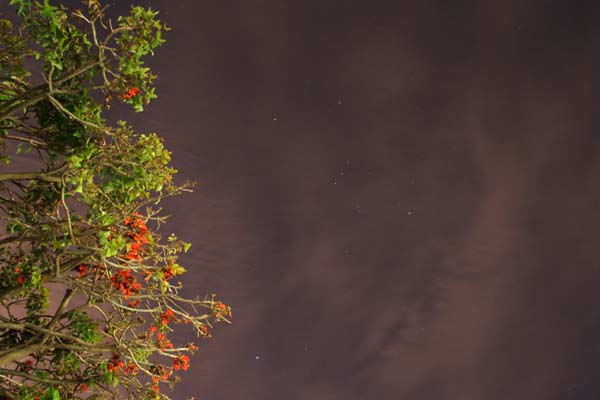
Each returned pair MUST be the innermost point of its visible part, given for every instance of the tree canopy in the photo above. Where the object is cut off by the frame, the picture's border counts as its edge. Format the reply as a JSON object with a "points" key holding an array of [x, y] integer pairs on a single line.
{"points": [[89, 297]]}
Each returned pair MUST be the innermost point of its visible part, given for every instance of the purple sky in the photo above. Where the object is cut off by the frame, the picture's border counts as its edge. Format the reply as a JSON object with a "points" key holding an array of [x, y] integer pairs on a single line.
{"points": [[399, 199]]}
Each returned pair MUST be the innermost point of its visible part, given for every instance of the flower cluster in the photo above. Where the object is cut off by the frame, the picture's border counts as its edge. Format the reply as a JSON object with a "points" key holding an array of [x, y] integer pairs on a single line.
{"points": [[220, 311], [84, 270], [137, 236], [125, 283], [115, 364], [167, 317], [134, 304], [162, 374], [131, 369], [163, 342], [181, 362]]}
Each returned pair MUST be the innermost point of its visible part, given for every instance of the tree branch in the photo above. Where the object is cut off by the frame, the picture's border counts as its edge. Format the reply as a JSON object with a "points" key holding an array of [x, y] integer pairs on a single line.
{"points": [[27, 176]]}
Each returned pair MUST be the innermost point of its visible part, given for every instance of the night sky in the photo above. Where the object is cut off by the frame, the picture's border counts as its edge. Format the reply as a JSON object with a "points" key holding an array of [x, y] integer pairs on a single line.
{"points": [[399, 199]]}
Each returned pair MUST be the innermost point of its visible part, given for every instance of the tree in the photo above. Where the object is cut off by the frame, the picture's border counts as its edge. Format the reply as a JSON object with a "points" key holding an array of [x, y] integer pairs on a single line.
{"points": [[88, 301]]}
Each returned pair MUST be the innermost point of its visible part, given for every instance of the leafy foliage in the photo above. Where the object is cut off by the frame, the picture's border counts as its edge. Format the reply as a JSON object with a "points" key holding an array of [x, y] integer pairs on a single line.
{"points": [[83, 227]]}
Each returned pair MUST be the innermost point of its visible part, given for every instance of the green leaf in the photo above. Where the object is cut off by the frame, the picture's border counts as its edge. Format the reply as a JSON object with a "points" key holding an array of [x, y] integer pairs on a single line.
{"points": [[75, 160], [177, 269], [36, 277], [79, 185]]}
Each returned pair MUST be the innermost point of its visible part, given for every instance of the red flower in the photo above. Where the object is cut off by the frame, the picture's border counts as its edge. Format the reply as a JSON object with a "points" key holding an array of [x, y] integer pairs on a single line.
{"points": [[21, 279], [82, 269], [115, 364], [131, 93], [167, 317], [133, 255], [155, 387], [181, 362], [125, 283], [132, 368], [134, 304], [137, 235], [203, 330], [221, 310], [163, 342], [167, 273]]}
